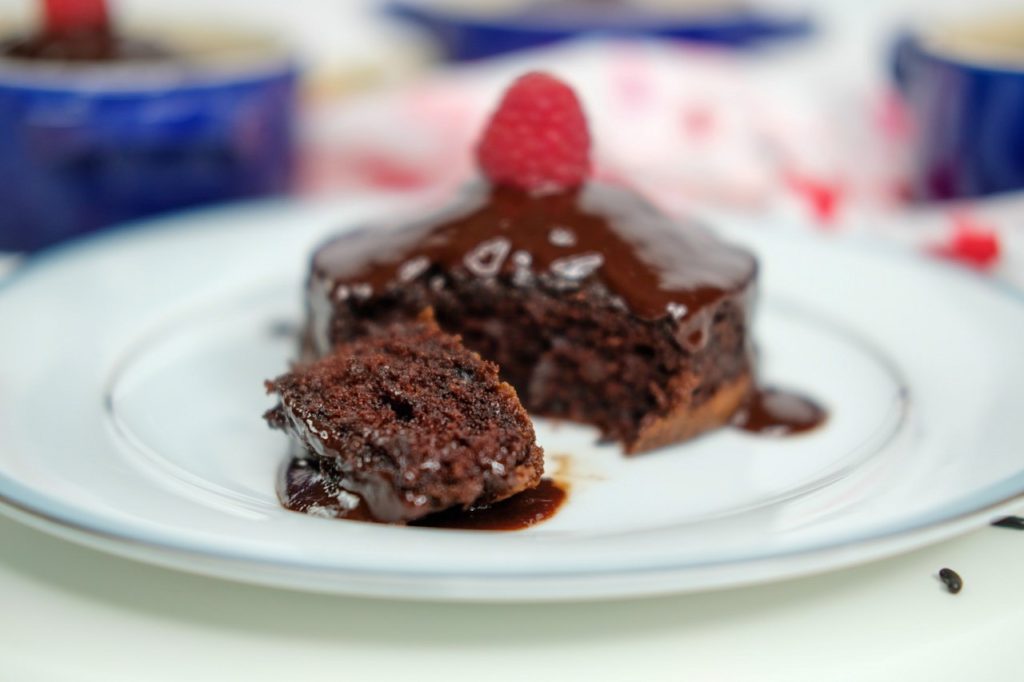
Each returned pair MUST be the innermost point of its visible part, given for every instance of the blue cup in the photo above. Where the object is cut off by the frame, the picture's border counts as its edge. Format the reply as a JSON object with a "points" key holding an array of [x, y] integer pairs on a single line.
{"points": [[468, 34], [86, 146], [964, 88]]}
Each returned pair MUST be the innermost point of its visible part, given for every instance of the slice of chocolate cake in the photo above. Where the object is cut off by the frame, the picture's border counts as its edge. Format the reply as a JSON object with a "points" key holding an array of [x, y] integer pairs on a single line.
{"points": [[595, 306], [411, 421]]}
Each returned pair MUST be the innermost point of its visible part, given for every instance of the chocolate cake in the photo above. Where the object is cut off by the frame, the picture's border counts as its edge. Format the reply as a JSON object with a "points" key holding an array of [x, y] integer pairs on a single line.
{"points": [[596, 307], [591, 303], [410, 421]]}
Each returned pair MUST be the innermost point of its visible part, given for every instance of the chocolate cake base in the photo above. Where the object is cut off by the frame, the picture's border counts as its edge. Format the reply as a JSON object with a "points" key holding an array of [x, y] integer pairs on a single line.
{"points": [[412, 421], [580, 358]]}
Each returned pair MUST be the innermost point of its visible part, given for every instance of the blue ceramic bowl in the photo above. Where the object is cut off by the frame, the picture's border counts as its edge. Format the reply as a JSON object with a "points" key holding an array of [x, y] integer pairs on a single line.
{"points": [[87, 146], [467, 34], [964, 88]]}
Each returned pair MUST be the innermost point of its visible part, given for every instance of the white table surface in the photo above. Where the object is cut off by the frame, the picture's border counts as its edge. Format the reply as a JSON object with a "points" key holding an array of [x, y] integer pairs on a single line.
{"points": [[76, 615]]}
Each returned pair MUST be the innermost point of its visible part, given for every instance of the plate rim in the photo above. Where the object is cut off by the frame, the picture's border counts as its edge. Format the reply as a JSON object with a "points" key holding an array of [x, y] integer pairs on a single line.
{"points": [[418, 586]]}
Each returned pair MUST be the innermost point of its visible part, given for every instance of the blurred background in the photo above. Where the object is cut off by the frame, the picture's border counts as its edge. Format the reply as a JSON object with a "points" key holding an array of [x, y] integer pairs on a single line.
{"points": [[832, 114]]}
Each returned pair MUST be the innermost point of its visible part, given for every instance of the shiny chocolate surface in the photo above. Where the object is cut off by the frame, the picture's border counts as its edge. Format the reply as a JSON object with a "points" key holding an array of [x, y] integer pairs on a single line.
{"points": [[656, 266], [312, 489]]}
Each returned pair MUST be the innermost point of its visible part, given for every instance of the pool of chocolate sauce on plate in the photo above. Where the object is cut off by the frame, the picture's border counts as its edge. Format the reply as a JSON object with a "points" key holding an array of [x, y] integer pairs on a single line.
{"points": [[304, 488], [775, 412], [520, 511]]}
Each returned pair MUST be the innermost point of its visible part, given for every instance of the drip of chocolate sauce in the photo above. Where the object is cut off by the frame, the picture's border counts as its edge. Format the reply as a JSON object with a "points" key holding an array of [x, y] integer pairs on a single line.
{"points": [[774, 412], [306, 489], [658, 267]]}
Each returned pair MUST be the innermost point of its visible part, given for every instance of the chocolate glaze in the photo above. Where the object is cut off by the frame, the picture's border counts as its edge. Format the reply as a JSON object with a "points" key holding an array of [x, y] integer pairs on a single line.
{"points": [[365, 490], [775, 412], [305, 488], [94, 45], [562, 240]]}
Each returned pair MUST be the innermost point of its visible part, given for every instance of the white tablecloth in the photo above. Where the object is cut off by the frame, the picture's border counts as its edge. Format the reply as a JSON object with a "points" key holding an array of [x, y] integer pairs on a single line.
{"points": [[75, 615]]}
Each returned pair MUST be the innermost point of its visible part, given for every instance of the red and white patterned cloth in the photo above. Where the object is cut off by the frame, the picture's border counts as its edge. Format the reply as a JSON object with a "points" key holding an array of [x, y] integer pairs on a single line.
{"points": [[776, 134]]}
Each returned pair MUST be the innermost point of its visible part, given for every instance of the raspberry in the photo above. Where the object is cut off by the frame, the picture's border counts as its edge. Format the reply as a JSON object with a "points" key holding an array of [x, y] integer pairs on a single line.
{"points": [[971, 243], [537, 139], [823, 197]]}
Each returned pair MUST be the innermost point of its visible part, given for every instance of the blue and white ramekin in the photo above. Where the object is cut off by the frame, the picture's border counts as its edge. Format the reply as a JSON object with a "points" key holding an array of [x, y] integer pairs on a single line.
{"points": [[964, 86], [466, 30], [86, 146]]}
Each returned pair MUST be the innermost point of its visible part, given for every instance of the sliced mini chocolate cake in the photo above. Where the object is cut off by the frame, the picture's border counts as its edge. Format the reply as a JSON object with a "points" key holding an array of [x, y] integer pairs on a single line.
{"points": [[410, 421]]}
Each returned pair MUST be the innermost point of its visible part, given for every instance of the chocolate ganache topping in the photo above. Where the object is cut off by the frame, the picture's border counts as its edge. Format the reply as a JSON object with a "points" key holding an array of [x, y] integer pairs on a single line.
{"points": [[93, 46], [598, 233]]}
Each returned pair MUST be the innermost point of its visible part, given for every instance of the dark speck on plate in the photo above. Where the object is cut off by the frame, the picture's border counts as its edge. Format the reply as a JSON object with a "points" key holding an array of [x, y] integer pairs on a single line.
{"points": [[1014, 522], [283, 329], [952, 580]]}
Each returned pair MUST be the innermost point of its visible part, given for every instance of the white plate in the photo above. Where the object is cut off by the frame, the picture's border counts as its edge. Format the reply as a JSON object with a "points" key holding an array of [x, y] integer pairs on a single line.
{"points": [[130, 402]]}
